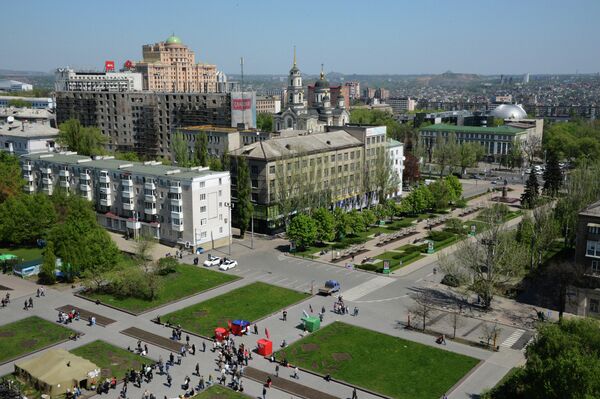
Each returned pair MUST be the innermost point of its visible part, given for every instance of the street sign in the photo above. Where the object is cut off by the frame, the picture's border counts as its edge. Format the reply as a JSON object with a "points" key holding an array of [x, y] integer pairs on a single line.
{"points": [[430, 248], [386, 267]]}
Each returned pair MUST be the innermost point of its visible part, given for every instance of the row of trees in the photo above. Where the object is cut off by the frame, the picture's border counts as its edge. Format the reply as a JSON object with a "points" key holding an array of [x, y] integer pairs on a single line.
{"points": [[450, 154], [438, 195], [84, 140], [576, 140], [553, 181], [199, 156]]}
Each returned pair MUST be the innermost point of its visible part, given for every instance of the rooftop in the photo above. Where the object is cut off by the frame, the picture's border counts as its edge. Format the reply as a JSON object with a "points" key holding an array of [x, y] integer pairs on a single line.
{"points": [[211, 128], [592, 210], [289, 146], [442, 127], [25, 113], [27, 130], [109, 163]]}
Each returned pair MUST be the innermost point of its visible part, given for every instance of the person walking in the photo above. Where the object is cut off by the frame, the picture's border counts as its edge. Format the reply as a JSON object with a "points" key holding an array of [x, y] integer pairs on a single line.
{"points": [[169, 380], [354, 394], [197, 368], [296, 376], [285, 315], [203, 346], [310, 307], [30, 302], [277, 370], [255, 329]]}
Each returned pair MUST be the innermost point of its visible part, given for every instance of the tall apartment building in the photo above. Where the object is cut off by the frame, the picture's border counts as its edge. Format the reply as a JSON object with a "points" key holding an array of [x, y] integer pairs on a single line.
{"points": [[382, 94], [401, 105], [143, 121], [337, 166], [178, 206], [396, 159], [170, 66], [66, 79], [221, 139], [268, 104], [353, 90], [584, 299]]}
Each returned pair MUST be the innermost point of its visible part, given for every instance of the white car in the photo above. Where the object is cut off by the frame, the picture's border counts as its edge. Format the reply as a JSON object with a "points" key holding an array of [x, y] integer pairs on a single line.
{"points": [[212, 261], [228, 264]]}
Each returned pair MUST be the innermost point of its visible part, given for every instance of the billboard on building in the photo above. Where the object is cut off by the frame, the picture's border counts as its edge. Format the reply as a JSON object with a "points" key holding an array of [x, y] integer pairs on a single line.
{"points": [[109, 66], [243, 108]]}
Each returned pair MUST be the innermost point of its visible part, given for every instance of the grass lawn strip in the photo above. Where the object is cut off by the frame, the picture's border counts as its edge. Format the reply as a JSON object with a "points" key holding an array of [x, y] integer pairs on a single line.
{"points": [[219, 392], [25, 254], [379, 362], [28, 335], [250, 302], [110, 357], [187, 280]]}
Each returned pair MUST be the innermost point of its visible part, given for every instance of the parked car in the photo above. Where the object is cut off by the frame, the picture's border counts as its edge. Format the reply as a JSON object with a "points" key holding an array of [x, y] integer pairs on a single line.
{"points": [[199, 250], [330, 287], [228, 264], [212, 261]]}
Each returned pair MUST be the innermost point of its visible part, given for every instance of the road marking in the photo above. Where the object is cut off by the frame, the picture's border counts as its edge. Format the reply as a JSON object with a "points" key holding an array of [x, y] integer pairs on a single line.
{"points": [[279, 281], [514, 337], [291, 283], [382, 300], [367, 287]]}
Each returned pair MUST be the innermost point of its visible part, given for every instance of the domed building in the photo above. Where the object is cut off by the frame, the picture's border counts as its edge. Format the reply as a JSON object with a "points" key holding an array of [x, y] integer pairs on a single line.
{"points": [[170, 66], [509, 111], [298, 116]]}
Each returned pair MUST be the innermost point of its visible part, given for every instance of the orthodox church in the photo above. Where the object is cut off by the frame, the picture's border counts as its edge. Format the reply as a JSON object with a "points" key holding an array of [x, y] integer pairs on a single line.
{"points": [[296, 115]]}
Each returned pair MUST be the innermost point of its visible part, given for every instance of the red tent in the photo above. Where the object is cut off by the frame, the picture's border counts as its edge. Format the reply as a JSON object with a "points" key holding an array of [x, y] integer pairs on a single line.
{"points": [[265, 347], [221, 333]]}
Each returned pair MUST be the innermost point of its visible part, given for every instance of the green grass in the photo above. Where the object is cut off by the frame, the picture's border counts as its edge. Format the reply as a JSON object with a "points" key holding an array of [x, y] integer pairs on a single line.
{"points": [[397, 260], [219, 392], [382, 363], [26, 254], [107, 356], [250, 302], [28, 335], [187, 280]]}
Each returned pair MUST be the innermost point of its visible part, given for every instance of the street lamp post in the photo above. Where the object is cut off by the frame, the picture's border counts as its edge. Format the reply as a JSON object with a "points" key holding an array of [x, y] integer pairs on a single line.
{"points": [[229, 205]]}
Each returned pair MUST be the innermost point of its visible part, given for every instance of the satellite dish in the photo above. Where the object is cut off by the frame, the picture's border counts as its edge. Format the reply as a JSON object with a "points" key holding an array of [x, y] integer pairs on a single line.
{"points": [[10, 119]]}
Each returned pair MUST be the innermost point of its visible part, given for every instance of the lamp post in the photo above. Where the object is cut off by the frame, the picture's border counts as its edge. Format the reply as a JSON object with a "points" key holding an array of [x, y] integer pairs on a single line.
{"points": [[229, 205]]}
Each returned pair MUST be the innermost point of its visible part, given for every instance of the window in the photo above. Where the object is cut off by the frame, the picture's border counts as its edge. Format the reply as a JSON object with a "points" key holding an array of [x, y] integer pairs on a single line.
{"points": [[202, 222], [594, 230], [203, 209], [593, 248], [220, 193], [272, 169], [333, 158], [202, 197], [595, 266], [594, 306], [254, 197], [254, 169], [203, 234], [254, 183]]}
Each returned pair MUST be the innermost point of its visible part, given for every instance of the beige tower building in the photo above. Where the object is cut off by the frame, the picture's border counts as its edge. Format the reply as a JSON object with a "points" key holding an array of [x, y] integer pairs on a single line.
{"points": [[170, 66]]}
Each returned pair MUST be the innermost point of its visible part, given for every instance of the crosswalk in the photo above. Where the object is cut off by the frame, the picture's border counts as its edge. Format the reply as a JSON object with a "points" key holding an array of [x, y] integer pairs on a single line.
{"points": [[513, 338], [366, 288]]}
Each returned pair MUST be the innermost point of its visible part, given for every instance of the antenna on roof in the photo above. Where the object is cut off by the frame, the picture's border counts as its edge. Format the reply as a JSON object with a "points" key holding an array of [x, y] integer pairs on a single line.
{"points": [[242, 87]]}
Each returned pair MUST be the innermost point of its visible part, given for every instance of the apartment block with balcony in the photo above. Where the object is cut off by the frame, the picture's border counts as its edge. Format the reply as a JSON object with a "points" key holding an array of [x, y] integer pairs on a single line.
{"points": [[178, 206], [584, 300]]}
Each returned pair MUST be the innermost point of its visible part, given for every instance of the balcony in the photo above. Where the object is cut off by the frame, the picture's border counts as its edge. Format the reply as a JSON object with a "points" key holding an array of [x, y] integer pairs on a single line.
{"points": [[47, 190], [106, 201], [105, 190], [28, 177], [149, 186], [176, 202], [133, 224], [175, 190], [85, 187], [47, 180], [104, 179], [84, 176], [176, 215], [63, 173], [127, 194], [129, 206], [64, 183], [150, 198], [150, 211], [177, 227], [27, 167], [127, 183], [46, 171]]}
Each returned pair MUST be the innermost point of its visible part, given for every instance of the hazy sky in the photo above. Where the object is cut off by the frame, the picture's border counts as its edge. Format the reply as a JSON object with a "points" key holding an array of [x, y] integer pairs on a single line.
{"points": [[365, 37]]}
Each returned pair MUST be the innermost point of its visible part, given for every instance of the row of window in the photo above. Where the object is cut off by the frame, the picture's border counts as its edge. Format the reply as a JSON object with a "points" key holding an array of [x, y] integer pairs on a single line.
{"points": [[593, 248]]}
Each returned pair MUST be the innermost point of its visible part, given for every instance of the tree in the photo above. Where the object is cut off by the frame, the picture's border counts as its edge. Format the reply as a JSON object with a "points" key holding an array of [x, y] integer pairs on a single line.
{"points": [[515, 155], [386, 178], [214, 163], [378, 117], [287, 187], [356, 223], [47, 272], [244, 207], [411, 173], [490, 333], [442, 193], [563, 362], [423, 307], [419, 200], [468, 155], [264, 122], [325, 225], [455, 187], [342, 223], [491, 260], [127, 156], [552, 175], [575, 140], [202, 150], [180, 150], [446, 152], [26, 218], [11, 178], [18, 103], [302, 231], [225, 161], [83, 140], [531, 147], [530, 195]]}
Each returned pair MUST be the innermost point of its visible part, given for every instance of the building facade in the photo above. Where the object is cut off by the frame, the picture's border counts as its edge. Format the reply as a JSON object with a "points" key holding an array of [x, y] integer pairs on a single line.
{"points": [[268, 104], [220, 139], [67, 79], [20, 137], [333, 168], [396, 159], [170, 66], [178, 206], [353, 89], [14, 85], [142, 122], [401, 105], [584, 300], [34, 102]]}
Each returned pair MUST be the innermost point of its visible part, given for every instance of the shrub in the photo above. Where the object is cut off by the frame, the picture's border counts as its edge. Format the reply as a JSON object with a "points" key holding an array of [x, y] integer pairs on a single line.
{"points": [[167, 266], [450, 280], [371, 267], [440, 235]]}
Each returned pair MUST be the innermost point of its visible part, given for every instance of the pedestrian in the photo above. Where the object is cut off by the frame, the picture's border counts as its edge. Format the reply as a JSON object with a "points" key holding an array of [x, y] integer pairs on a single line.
{"points": [[264, 392], [285, 315], [171, 358], [323, 309], [146, 348], [296, 376], [203, 346], [93, 320], [179, 359], [355, 311], [37, 294], [187, 339], [197, 368], [30, 302], [354, 394], [310, 307], [277, 370], [183, 350], [169, 379], [26, 307], [256, 329], [193, 349]]}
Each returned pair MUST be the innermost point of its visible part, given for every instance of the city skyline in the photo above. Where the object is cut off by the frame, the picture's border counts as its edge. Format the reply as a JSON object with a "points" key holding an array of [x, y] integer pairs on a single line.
{"points": [[400, 38]]}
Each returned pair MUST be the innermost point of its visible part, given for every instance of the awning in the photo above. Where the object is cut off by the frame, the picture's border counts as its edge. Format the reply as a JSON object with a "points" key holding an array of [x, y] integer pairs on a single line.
{"points": [[593, 224]]}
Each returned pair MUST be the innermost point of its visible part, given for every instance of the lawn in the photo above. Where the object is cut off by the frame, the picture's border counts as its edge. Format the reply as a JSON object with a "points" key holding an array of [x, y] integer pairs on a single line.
{"points": [[219, 392], [186, 281], [28, 335], [397, 260], [250, 302], [26, 254], [107, 356], [379, 362]]}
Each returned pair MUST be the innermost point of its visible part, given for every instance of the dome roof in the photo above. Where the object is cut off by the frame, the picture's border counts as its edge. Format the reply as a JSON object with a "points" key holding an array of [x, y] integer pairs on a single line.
{"points": [[509, 111], [173, 40], [322, 83]]}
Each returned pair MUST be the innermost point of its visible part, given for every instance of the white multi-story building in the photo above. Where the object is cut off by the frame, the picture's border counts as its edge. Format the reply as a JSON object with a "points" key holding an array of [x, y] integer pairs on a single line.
{"points": [[401, 105], [14, 85], [188, 207], [24, 137], [33, 102], [396, 158], [67, 79]]}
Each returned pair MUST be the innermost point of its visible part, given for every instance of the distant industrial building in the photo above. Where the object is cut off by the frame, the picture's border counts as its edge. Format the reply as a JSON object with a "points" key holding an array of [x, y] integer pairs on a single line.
{"points": [[67, 79], [14, 85], [33, 102], [187, 207]]}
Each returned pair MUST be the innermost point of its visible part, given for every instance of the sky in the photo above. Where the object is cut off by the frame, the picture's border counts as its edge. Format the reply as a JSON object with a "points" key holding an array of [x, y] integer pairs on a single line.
{"points": [[362, 37]]}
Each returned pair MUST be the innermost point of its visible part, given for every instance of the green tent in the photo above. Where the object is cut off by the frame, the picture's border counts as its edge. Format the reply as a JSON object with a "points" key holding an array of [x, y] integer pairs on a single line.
{"points": [[7, 257]]}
